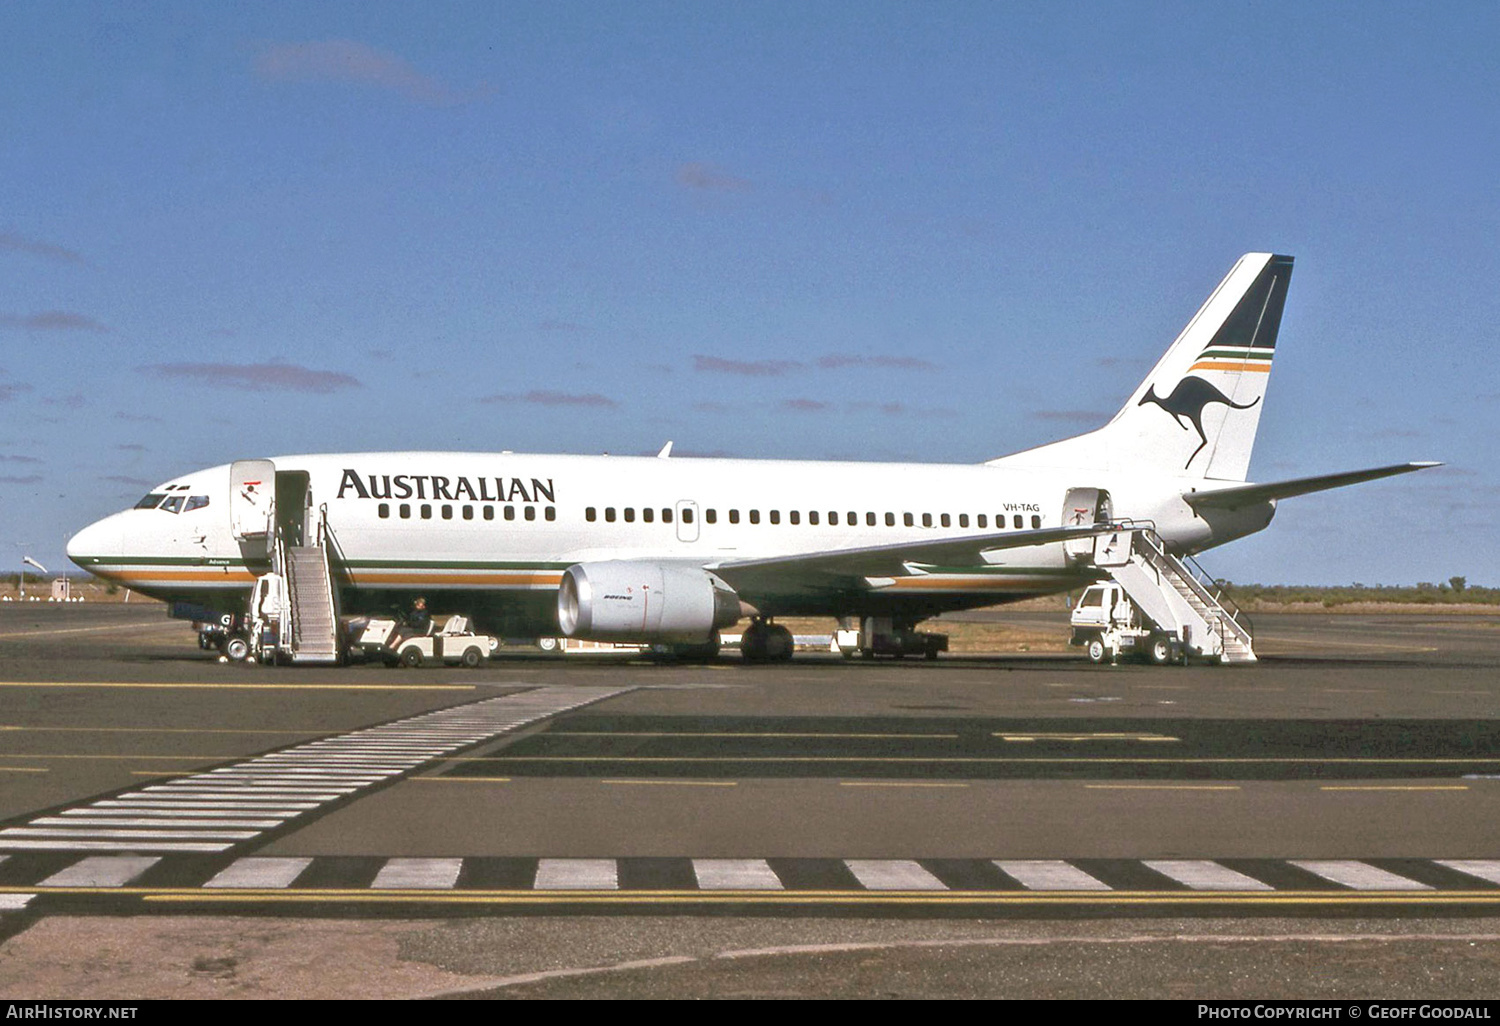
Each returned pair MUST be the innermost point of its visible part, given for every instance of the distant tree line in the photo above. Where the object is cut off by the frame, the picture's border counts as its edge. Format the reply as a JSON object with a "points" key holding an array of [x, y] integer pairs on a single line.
{"points": [[1453, 590]]}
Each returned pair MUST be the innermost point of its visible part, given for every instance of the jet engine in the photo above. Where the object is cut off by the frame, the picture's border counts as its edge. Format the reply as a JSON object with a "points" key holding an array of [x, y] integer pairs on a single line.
{"points": [[644, 602]]}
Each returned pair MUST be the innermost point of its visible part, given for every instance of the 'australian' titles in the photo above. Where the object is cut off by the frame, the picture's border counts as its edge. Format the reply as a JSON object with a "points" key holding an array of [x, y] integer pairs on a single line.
{"points": [[438, 486]]}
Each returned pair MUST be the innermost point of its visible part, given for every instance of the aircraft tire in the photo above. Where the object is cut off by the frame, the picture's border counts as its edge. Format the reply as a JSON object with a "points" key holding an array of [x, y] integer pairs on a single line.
{"points": [[779, 644]]}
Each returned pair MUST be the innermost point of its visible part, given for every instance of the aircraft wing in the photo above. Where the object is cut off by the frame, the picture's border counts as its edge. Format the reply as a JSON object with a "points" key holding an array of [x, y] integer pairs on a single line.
{"points": [[892, 560], [1249, 494]]}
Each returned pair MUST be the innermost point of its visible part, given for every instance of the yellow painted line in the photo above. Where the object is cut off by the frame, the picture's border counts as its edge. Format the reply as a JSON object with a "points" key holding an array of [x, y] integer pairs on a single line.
{"points": [[1397, 788], [170, 730], [740, 734], [984, 760], [675, 783], [1162, 787], [152, 626], [708, 898], [1043, 736], [24, 769], [897, 783], [267, 686]]}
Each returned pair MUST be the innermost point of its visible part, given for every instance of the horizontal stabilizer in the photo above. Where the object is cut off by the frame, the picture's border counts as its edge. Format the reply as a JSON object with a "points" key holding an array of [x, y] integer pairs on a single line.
{"points": [[891, 560], [1247, 495]]}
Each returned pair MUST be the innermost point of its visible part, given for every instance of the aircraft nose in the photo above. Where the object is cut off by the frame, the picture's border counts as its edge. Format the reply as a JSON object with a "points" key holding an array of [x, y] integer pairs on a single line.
{"points": [[101, 538]]}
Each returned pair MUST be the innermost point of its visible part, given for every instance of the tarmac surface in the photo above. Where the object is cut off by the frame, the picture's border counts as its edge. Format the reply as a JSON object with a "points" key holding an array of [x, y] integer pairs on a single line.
{"points": [[1319, 824]]}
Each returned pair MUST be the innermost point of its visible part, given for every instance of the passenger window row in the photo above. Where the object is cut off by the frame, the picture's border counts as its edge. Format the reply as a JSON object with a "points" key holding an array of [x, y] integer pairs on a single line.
{"points": [[814, 518], [466, 512]]}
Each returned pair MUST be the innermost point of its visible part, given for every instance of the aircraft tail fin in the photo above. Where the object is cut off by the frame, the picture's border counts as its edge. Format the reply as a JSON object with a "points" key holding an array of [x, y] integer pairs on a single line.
{"points": [[1196, 413]]}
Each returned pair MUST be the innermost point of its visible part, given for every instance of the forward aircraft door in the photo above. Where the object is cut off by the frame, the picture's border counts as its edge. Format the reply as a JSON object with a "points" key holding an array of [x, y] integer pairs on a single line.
{"points": [[252, 499]]}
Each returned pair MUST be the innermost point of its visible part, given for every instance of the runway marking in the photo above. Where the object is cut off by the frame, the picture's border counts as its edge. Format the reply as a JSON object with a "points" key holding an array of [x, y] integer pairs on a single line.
{"points": [[212, 686], [675, 783], [577, 874], [893, 875], [1395, 788], [1161, 787], [1205, 875], [144, 625], [1359, 875], [157, 730], [899, 783], [730, 881], [1484, 869], [1043, 736], [24, 769], [736, 874], [748, 734], [418, 874], [101, 871], [261, 872], [1049, 875], [294, 781], [15, 902]]}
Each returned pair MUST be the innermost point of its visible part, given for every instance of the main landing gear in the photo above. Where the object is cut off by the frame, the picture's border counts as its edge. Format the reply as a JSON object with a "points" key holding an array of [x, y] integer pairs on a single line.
{"points": [[766, 642]]}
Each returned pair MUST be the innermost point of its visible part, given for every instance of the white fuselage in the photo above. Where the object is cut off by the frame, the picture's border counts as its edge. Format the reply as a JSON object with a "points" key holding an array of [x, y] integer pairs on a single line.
{"points": [[493, 533]]}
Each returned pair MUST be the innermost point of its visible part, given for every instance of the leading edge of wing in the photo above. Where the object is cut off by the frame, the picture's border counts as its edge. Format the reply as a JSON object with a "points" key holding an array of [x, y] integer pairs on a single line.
{"points": [[1237, 496], [891, 560]]}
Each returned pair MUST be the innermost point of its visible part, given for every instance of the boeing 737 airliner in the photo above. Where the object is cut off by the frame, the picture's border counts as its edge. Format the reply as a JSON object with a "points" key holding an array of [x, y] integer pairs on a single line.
{"points": [[671, 551]]}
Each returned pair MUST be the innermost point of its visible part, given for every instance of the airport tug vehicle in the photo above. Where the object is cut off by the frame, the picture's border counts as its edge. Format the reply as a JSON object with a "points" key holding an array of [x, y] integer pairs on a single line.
{"points": [[387, 640]]}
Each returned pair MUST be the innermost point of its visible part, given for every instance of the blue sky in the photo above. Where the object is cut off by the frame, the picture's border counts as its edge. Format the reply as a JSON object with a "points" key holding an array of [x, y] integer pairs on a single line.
{"points": [[933, 231]]}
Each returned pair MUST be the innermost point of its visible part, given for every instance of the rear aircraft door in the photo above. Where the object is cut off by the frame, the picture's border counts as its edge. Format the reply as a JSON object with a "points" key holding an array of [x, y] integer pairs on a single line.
{"points": [[1082, 507], [687, 520], [252, 498]]}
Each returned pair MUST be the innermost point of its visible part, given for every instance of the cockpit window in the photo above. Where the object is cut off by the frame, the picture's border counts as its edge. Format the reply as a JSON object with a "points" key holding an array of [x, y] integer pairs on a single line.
{"points": [[150, 501], [195, 502], [173, 503]]}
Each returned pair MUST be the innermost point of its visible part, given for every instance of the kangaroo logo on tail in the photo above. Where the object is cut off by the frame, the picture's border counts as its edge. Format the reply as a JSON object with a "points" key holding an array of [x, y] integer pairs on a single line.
{"points": [[1187, 401]]}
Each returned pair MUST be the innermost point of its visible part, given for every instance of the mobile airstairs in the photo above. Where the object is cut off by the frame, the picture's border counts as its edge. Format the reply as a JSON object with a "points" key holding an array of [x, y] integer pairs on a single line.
{"points": [[1179, 610], [293, 615]]}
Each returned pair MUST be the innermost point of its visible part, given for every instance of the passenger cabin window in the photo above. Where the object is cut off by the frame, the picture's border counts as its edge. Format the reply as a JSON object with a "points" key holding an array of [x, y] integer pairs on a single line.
{"points": [[926, 519], [447, 512], [1036, 521], [1017, 520], [551, 513], [963, 520], [666, 514], [468, 512], [755, 516], [383, 510], [812, 517], [734, 516], [510, 513], [775, 516], [833, 518], [406, 511], [711, 515], [687, 514], [590, 514], [426, 511], [530, 512], [151, 501], [946, 520], [489, 513], [982, 520], [906, 519], [648, 514], [629, 514], [609, 514], [795, 516]]}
